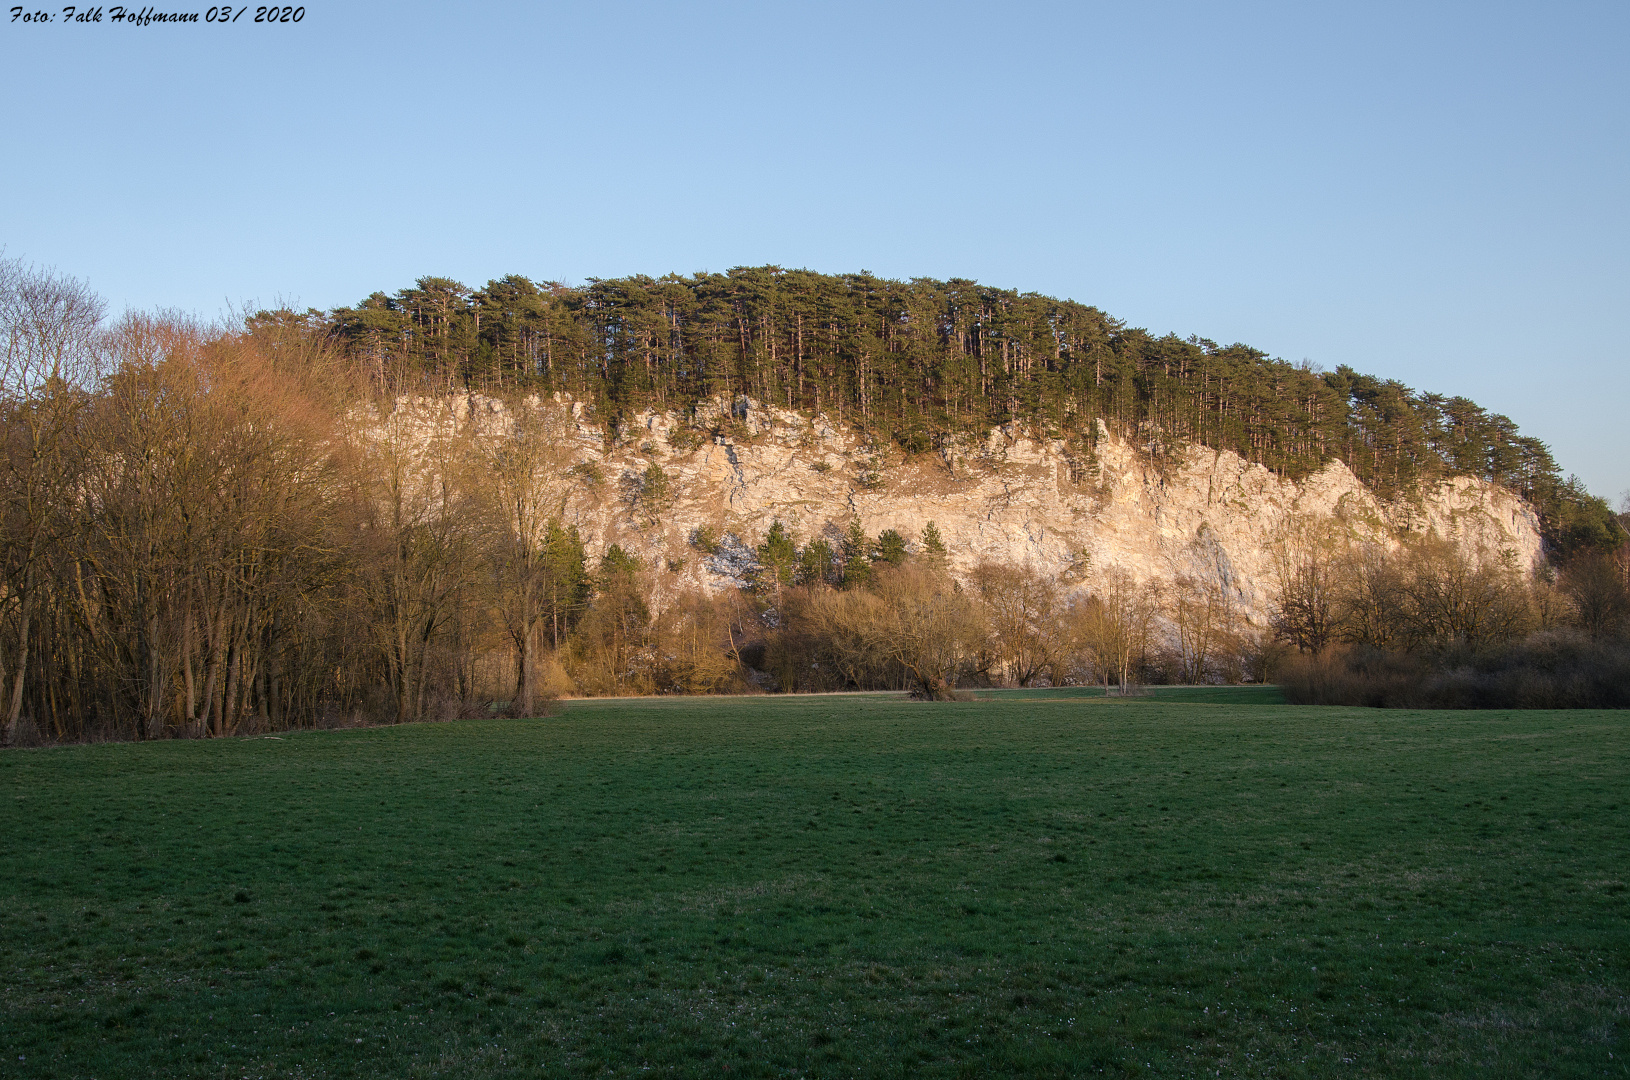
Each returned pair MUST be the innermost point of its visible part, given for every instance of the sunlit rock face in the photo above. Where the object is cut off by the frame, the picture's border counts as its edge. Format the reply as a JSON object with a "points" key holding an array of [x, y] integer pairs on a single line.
{"points": [[1010, 497]]}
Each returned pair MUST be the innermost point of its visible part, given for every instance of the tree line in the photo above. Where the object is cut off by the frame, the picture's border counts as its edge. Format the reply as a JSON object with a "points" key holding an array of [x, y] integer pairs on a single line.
{"points": [[916, 363], [207, 531], [212, 530]]}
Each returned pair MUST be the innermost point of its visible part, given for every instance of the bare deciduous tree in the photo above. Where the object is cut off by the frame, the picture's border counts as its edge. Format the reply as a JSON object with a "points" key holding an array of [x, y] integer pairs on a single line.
{"points": [[1112, 625], [1453, 598], [1305, 613], [913, 617], [418, 532], [525, 457], [1023, 608], [47, 330], [696, 645], [1200, 611], [1598, 595]]}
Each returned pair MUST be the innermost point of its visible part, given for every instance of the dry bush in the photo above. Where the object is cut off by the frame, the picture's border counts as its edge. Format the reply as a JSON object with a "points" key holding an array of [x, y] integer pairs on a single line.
{"points": [[1433, 626], [1352, 675], [798, 652], [1430, 595], [1552, 669]]}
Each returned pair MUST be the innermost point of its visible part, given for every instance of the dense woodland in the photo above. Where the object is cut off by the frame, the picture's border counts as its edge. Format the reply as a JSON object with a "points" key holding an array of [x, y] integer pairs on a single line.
{"points": [[915, 362], [282, 523]]}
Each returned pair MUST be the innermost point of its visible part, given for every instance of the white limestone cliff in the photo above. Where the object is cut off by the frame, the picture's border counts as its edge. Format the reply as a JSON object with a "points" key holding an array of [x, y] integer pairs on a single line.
{"points": [[1010, 498], [1015, 499]]}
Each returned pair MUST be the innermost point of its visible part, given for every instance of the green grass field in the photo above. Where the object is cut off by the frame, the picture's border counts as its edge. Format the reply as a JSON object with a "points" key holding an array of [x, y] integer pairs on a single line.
{"points": [[1034, 884]]}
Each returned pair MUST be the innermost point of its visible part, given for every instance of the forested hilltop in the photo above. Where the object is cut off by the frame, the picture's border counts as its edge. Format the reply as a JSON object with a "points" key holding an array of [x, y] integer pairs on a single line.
{"points": [[913, 362], [316, 519]]}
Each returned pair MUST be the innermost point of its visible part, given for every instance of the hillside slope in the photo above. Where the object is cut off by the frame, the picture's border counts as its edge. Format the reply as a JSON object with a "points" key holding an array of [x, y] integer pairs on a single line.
{"points": [[1008, 497]]}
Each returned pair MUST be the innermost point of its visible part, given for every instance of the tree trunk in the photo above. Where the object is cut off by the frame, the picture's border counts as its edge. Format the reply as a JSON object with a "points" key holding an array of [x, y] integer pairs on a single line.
{"points": [[528, 690], [186, 670], [404, 672], [14, 708], [424, 667], [229, 700], [153, 707], [209, 715]]}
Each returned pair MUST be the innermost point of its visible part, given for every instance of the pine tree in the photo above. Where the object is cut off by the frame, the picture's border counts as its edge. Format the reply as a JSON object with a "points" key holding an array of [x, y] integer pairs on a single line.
{"points": [[858, 551], [891, 547], [777, 559], [933, 544]]}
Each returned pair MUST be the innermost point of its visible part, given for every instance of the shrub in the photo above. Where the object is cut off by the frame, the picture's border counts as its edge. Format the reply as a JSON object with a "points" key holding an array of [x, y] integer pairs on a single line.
{"points": [[683, 440], [1553, 669], [1352, 676], [705, 539], [589, 474], [870, 475]]}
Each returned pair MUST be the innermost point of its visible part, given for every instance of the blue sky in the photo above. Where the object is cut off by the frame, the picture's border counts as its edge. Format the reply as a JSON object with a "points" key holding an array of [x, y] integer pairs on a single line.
{"points": [[1429, 192]]}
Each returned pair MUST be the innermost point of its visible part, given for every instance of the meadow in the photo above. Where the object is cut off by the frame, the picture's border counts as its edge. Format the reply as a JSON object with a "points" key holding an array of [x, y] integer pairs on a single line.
{"points": [[1196, 883]]}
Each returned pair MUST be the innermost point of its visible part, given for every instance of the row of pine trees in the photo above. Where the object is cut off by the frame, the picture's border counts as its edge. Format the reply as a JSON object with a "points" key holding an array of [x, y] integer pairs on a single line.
{"points": [[916, 362]]}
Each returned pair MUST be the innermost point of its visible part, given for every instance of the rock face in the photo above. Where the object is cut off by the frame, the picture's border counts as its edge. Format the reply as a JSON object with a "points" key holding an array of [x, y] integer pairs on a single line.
{"points": [[1009, 498]]}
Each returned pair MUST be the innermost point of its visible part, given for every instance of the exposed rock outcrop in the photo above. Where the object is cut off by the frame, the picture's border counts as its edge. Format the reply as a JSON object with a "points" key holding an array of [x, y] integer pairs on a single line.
{"points": [[1009, 497]]}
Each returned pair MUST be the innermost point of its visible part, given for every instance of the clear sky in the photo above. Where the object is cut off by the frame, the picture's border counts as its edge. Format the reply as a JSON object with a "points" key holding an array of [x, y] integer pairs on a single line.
{"points": [[1430, 192]]}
